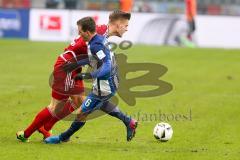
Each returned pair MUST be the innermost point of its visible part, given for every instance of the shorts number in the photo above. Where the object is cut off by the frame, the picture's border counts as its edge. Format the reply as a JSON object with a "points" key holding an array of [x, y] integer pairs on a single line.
{"points": [[88, 102]]}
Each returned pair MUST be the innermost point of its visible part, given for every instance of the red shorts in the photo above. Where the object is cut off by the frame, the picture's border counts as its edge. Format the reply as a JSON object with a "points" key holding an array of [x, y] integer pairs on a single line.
{"points": [[62, 83]]}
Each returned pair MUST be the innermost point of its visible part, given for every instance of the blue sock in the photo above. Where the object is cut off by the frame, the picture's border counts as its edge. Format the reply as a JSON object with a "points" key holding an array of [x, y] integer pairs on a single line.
{"points": [[75, 126], [120, 115]]}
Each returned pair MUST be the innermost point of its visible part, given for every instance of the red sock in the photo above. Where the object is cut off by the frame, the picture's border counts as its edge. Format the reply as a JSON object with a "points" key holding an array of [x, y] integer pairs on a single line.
{"points": [[48, 125], [42, 117], [67, 109]]}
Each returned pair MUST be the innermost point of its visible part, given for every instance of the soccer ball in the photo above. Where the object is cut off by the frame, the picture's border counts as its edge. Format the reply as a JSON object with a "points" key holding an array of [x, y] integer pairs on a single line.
{"points": [[163, 132]]}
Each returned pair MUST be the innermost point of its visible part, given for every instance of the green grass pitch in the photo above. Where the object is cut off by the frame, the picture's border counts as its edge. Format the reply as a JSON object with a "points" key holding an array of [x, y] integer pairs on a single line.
{"points": [[205, 98]]}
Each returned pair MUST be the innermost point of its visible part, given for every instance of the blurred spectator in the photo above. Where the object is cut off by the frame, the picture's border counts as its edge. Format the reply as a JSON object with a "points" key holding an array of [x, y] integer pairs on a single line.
{"points": [[126, 5], [146, 7], [214, 9], [191, 11], [15, 3], [70, 4], [52, 3]]}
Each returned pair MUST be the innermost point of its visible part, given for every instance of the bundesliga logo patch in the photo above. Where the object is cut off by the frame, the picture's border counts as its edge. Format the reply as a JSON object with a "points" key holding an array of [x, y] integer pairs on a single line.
{"points": [[100, 54]]}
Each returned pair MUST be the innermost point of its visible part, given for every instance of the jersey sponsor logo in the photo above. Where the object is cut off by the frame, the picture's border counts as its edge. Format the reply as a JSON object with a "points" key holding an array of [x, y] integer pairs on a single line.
{"points": [[100, 54], [50, 23]]}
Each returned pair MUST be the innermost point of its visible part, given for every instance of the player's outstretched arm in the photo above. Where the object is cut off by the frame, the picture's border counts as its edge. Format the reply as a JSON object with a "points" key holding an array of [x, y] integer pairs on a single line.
{"points": [[102, 55], [104, 70], [69, 67]]}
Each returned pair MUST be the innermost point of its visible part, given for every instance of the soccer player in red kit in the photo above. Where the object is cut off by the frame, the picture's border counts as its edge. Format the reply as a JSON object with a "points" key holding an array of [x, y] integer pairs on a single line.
{"points": [[64, 87]]}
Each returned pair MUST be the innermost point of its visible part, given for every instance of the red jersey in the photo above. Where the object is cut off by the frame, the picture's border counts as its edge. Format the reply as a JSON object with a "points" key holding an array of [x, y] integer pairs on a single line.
{"points": [[79, 47], [62, 83]]}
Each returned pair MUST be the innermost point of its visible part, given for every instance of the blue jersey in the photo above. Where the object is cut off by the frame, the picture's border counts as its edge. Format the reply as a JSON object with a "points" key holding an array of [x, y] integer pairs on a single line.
{"points": [[102, 60]]}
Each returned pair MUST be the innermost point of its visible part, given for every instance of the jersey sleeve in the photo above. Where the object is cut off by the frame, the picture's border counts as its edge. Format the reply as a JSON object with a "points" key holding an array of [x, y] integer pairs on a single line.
{"points": [[101, 53], [78, 46]]}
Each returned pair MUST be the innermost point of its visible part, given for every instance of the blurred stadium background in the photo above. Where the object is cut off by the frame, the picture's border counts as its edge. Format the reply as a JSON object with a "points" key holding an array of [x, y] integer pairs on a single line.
{"points": [[208, 7], [50, 19], [203, 106]]}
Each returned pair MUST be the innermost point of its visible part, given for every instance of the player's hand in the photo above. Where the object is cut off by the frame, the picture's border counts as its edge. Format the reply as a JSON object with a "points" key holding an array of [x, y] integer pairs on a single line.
{"points": [[82, 76], [69, 67]]}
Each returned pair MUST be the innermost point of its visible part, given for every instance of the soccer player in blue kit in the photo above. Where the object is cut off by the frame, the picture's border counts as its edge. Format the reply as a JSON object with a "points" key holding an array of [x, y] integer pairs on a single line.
{"points": [[105, 80]]}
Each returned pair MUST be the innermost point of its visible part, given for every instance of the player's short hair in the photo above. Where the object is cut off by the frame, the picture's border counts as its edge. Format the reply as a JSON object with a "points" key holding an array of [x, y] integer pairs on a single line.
{"points": [[87, 24], [117, 14]]}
